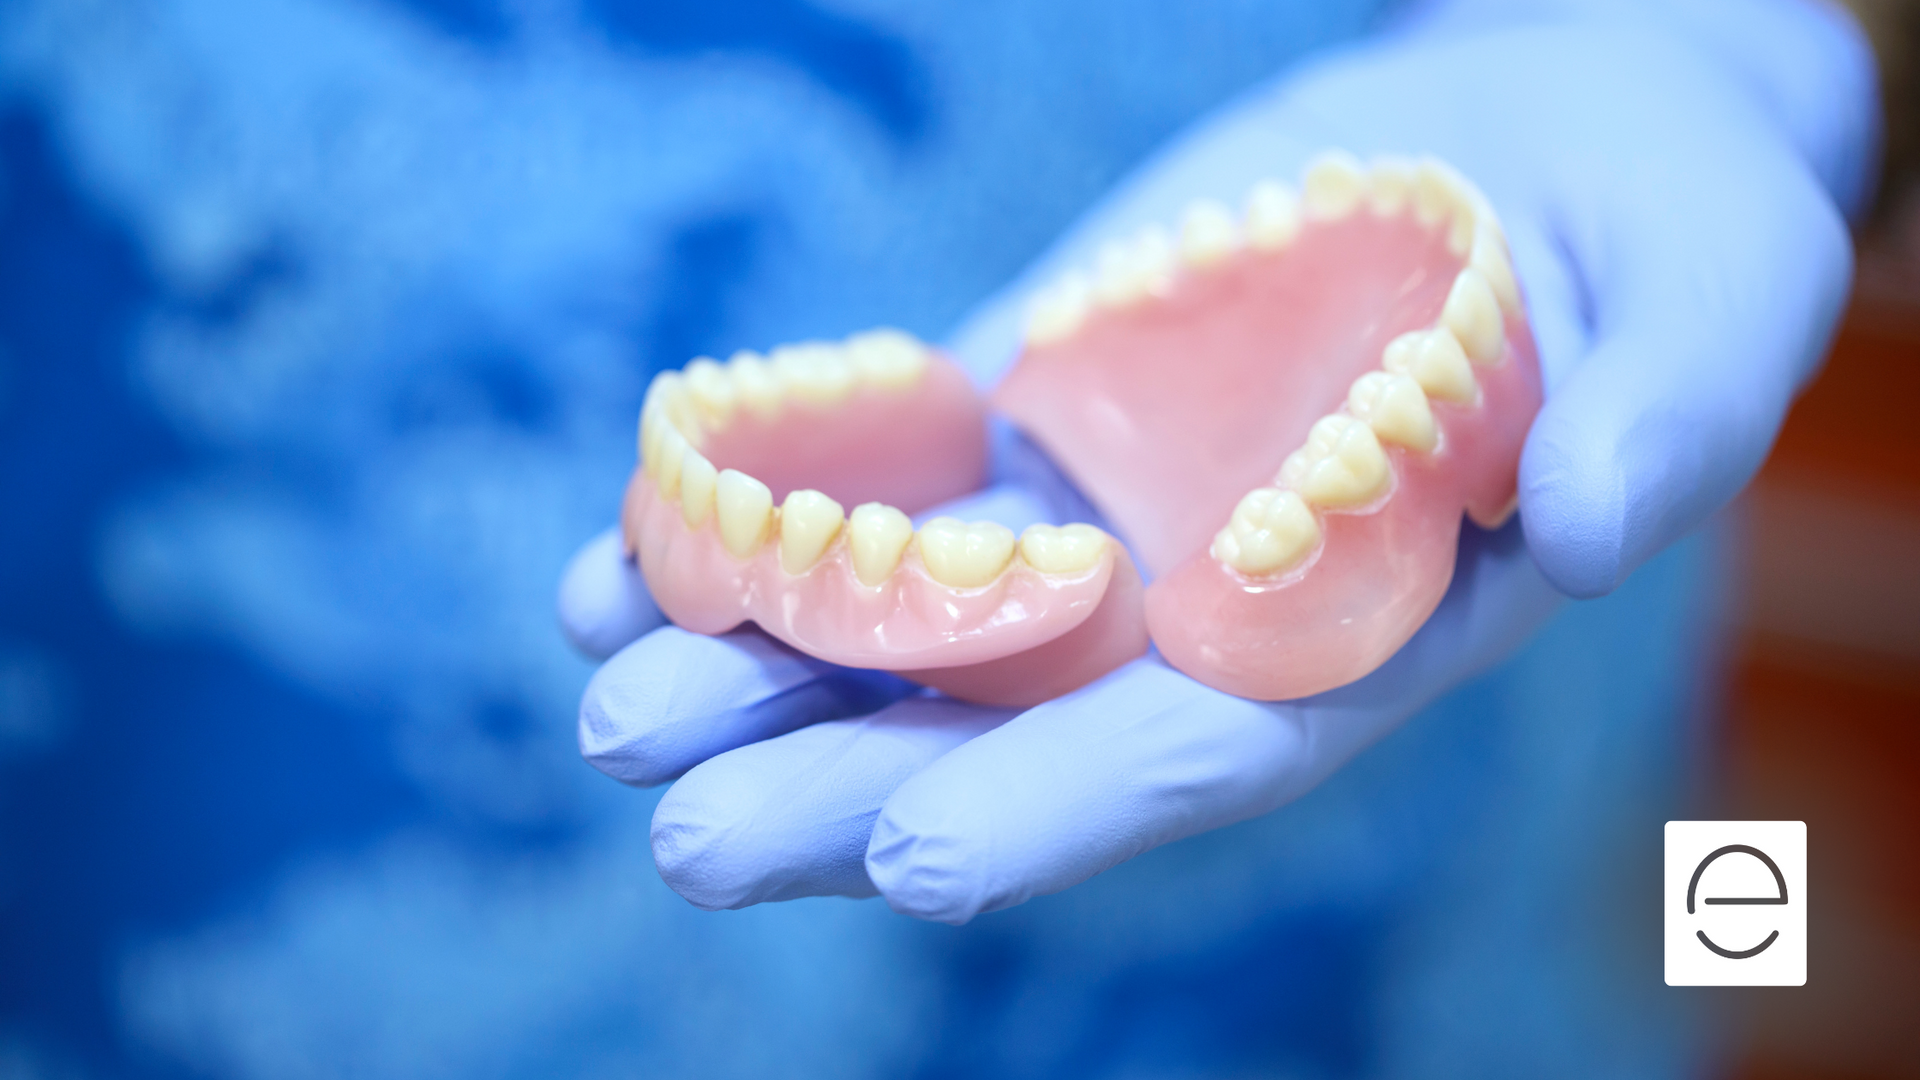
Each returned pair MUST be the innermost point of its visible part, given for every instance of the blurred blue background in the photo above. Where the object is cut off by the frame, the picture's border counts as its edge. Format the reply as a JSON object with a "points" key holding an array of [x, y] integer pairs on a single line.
{"points": [[323, 327]]}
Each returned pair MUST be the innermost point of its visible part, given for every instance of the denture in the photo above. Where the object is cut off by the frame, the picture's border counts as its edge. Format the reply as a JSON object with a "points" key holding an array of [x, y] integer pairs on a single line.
{"points": [[1285, 412]]}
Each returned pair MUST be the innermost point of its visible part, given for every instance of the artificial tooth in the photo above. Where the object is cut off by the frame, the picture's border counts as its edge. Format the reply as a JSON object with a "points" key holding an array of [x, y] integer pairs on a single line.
{"points": [[711, 390], [1490, 258], [809, 521], [744, 508], [1433, 192], [697, 480], [758, 384], [962, 555], [1341, 465], [1065, 549], [1271, 530], [1472, 313], [888, 358], [814, 371], [1129, 270], [1207, 232], [1333, 186], [1056, 311], [1390, 185], [877, 536], [650, 425], [673, 451], [1395, 408], [668, 393], [1272, 215], [1435, 360]]}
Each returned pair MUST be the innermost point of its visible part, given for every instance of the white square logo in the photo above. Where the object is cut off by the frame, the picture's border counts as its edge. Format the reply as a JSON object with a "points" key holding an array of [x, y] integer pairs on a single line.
{"points": [[1736, 903]]}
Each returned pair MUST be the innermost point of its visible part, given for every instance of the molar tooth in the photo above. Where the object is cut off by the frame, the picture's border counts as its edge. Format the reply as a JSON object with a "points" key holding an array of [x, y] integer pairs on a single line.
{"points": [[965, 556], [1271, 530], [759, 385], [1272, 215], [888, 358], [1395, 408], [1341, 465], [697, 481], [1390, 185], [712, 392], [744, 507], [1333, 186], [809, 522], [673, 452], [1207, 232], [1472, 313], [814, 371], [1067, 549], [1490, 259], [877, 536], [1057, 310], [1435, 360]]}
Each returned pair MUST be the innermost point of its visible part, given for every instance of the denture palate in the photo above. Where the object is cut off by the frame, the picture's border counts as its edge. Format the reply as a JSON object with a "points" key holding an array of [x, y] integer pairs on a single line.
{"points": [[1287, 411], [738, 512]]}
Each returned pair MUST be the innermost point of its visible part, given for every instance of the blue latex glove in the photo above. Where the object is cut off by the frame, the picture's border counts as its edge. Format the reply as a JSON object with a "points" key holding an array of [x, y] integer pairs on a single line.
{"points": [[1672, 178]]}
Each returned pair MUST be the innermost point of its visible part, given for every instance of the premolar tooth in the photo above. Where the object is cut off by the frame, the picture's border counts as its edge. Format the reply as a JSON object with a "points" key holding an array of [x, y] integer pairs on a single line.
{"points": [[1333, 186], [1207, 232], [809, 521], [673, 452], [887, 358], [1066, 549], [1395, 408], [697, 480], [1341, 465], [1473, 314], [1272, 215], [744, 507], [712, 392], [1390, 185], [1270, 531], [1490, 259], [1433, 192], [759, 386], [877, 535], [1056, 311], [965, 556], [1435, 360], [814, 371], [1130, 270]]}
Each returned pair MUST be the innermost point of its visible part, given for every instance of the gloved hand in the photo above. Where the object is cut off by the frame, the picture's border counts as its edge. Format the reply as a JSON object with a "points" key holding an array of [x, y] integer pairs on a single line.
{"points": [[1672, 178]]}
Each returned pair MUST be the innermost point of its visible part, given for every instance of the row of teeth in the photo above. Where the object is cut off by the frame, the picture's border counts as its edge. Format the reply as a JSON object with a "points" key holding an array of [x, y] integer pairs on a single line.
{"points": [[706, 394], [807, 525], [1344, 464], [1334, 186]]}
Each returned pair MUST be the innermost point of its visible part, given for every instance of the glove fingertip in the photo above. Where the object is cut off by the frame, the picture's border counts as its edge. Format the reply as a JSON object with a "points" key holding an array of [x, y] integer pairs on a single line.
{"points": [[603, 602]]}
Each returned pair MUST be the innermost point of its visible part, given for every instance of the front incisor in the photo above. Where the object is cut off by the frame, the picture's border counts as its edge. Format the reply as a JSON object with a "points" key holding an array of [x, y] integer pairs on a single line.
{"points": [[1472, 313], [809, 523], [697, 484], [759, 387], [1065, 549], [1270, 531], [1390, 186], [877, 536], [712, 391], [673, 451], [963, 555], [1342, 464], [744, 509], [1435, 360], [1395, 408]]}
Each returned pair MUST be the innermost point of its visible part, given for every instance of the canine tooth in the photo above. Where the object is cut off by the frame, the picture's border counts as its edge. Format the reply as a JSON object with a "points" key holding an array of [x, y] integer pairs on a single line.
{"points": [[965, 556], [814, 371], [1272, 215], [697, 480], [1490, 258], [1341, 465], [877, 535], [1473, 314], [1207, 232], [673, 451], [885, 357], [1333, 186], [1129, 270], [809, 521], [1395, 408], [744, 507], [1390, 185], [1435, 360], [1271, 530], [758, 384], [1057, 310], [1066, 549], [712, 392]]}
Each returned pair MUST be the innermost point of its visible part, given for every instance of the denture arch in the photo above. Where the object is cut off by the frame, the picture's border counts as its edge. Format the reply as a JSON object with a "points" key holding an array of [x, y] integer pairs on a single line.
{"points": [[1286, 411]]}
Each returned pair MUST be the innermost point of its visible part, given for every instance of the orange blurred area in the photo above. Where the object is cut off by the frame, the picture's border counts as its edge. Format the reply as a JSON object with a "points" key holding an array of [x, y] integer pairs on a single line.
{"points": [[1824, 717]]}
